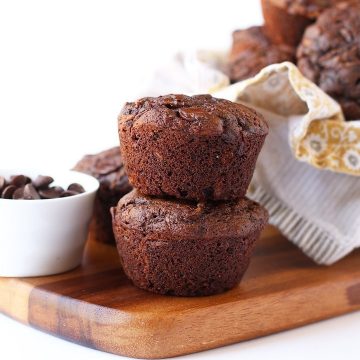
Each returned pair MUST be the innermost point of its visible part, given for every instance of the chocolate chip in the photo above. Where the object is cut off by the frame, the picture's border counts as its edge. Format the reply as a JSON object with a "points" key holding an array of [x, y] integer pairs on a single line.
{"points": [[77, 188], [42, 181], [52, 193], [19, 180], [30, 192], [69, 193], [22, 187], [8, 192], [18, 193], [59, 189]]}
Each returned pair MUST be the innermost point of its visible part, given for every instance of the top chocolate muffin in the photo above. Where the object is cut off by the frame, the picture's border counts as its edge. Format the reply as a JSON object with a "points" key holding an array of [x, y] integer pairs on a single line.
{"points": [[197, 148], [329, 55]]}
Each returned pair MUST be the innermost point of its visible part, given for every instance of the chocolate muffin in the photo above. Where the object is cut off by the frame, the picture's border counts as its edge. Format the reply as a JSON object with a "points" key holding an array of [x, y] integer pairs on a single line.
{"points": [[252, 50], [107, 167], [180, 248], [329, 55], [197, 148], [286, 20]]}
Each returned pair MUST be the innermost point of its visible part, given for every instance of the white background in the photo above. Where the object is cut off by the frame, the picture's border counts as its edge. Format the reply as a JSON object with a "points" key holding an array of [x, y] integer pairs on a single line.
{"points": [[66, 68]]}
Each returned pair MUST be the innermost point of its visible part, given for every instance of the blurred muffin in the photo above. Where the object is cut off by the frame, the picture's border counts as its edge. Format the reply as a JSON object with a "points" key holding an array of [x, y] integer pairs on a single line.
{"points": [[329, 55], [252, 50], [286, 20], [107, 166]]}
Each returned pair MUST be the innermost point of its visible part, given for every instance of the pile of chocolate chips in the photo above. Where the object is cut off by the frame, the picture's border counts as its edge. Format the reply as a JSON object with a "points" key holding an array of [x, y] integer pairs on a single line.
{"points": [[21, 187]]}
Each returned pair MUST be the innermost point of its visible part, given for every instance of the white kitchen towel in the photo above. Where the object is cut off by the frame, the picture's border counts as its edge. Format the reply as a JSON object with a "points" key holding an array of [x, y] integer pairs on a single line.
{"points": [[307, 174]]}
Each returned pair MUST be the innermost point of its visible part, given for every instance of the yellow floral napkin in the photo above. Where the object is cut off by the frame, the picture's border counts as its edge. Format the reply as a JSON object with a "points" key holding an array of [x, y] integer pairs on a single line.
{"points": [[318, 133], [307, 174]]}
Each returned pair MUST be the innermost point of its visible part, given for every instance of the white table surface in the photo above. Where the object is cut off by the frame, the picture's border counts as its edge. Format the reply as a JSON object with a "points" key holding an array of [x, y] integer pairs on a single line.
{"points": [[66, 68]]}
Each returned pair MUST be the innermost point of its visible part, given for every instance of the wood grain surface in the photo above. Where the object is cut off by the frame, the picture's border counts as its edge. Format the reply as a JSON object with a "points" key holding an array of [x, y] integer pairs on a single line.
{"points": [[96, 306]]}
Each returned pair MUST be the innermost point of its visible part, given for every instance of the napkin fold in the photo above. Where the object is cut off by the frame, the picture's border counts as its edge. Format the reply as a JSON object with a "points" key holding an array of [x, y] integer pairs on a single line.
{"points": [[307, 175]]}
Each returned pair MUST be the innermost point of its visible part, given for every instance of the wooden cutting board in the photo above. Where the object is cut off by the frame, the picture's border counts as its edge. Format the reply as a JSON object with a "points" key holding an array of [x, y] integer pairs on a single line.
{"points": [[96, 306]]}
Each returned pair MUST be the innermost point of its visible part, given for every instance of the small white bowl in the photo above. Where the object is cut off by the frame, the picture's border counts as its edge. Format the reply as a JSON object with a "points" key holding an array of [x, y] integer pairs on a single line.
{"points": [[45, 237]]}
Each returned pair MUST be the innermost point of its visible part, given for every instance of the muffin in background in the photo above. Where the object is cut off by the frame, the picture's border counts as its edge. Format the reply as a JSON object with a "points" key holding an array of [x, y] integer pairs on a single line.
{"points": [[329, 55], [107, 166], [252, 50], [284, 24], [286, 20]]}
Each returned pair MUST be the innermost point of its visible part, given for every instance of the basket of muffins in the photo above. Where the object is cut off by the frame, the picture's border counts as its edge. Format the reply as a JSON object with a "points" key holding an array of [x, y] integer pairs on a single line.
{"points": [[320, 36], [186, 227], [301, 70]]}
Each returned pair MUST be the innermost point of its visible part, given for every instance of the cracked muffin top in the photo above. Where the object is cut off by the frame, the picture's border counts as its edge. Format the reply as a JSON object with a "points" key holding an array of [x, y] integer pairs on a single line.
{"points": [[309, 8], [201, 115]]}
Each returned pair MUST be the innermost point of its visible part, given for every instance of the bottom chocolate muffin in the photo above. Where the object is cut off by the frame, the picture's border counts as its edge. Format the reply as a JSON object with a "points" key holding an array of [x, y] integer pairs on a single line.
{"points": [[107, 166], [184, 249]]}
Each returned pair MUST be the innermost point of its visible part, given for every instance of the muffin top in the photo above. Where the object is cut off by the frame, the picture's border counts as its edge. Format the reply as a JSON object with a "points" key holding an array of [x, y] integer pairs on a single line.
{"points": [[252, 50], [309, 8], [107, 166], [329, 55], [173, 219], [199, 115]]}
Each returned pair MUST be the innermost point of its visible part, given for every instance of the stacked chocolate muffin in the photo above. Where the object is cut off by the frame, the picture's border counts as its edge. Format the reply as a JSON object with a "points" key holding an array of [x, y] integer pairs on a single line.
{"points": [[187, 229]]}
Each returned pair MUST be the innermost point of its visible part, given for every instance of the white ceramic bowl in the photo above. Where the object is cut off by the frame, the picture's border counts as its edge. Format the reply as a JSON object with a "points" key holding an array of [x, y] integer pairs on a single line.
{"points": [[45, 237]]}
